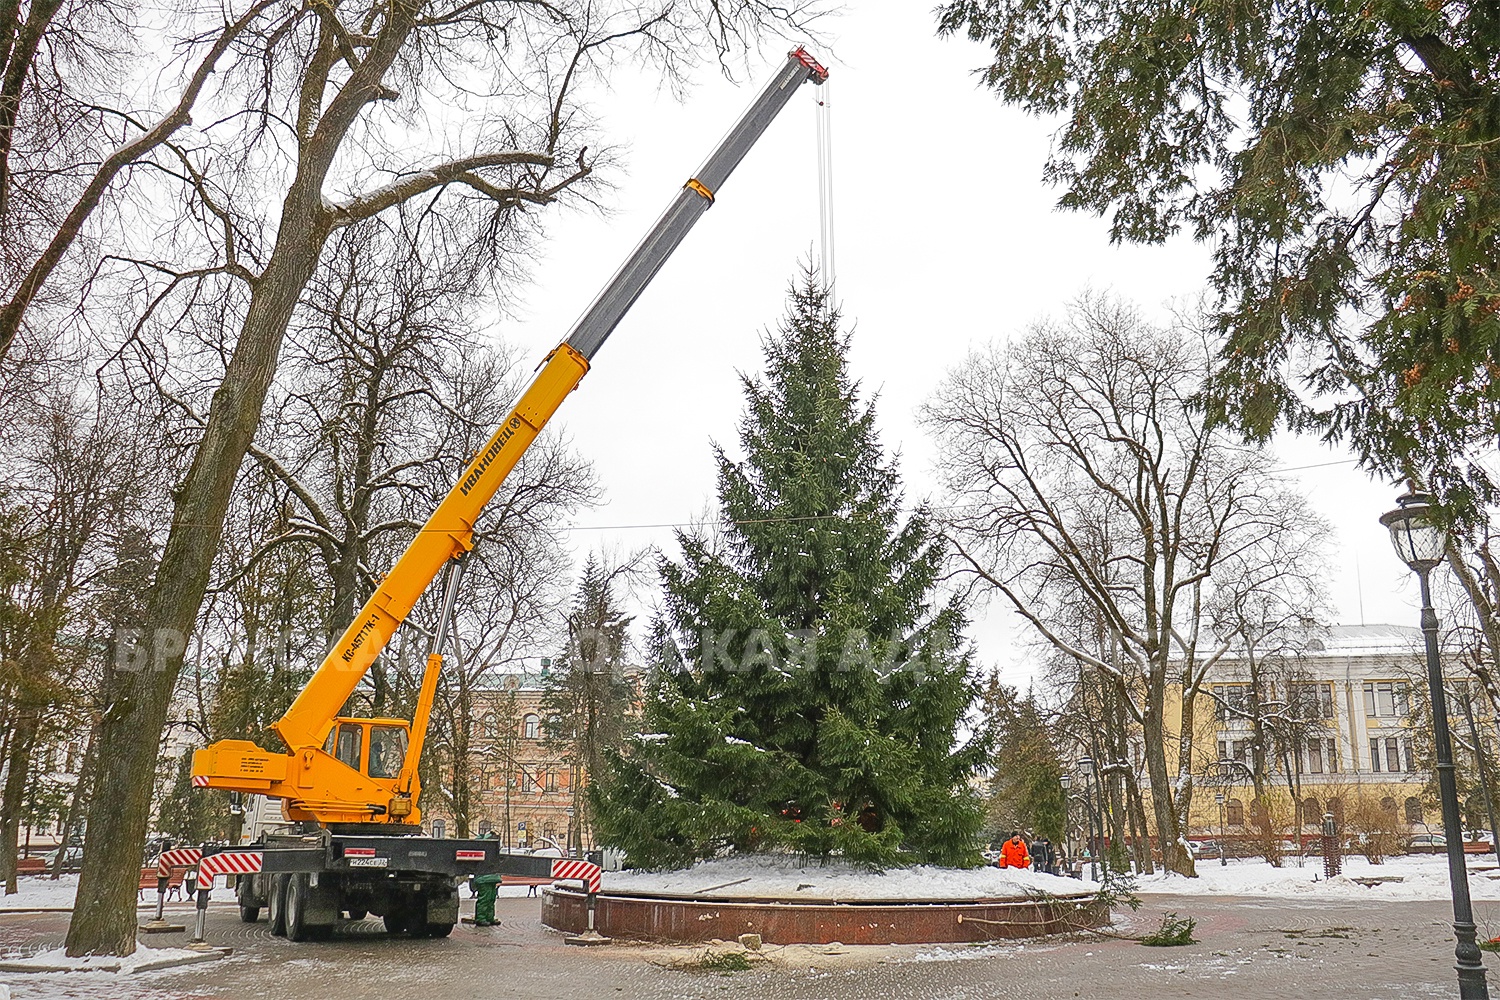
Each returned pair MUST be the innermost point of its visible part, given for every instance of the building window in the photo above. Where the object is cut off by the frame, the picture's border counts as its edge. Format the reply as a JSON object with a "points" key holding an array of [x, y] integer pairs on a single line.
{"points": [[1386, 699], [1312, 701], [1388, 805], [1229, 702], [1375, 755], [1312, 812], [439, 829], [1315, 756], [487, 727], [1413, 809], [1234, 811], [1257, 812], [551, 781], [533, 727], [1331, 749], [1336, 808], [1393, 755], [1411, 758], [485, 827]]}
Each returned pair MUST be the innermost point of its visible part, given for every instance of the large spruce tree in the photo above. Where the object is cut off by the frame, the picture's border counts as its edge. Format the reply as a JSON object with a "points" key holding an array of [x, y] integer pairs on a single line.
{"points": [[808, 692]]}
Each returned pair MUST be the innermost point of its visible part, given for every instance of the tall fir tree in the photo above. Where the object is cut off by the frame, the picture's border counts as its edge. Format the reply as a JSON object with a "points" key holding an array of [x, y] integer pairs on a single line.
{"points": [[808, 691]]}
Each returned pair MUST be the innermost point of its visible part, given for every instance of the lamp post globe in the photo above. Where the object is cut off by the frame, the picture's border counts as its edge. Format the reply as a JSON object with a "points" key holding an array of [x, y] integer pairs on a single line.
{"points": [[1419, 540], [1416, 534]]}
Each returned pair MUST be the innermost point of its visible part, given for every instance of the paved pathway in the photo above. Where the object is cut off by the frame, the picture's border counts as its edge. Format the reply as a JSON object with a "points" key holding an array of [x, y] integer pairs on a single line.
{"points": [[1249, 948]]}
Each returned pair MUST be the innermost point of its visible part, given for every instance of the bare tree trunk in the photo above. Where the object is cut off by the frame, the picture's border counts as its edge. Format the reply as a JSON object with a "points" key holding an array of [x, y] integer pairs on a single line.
{"points": [[18, 762], [139, 688], [78, 803], [1163, 804], [1145, 864], [462, 777]]}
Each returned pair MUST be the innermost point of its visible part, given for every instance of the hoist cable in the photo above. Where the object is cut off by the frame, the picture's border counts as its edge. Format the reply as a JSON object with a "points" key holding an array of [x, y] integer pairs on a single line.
{"points": [[825, 187]]}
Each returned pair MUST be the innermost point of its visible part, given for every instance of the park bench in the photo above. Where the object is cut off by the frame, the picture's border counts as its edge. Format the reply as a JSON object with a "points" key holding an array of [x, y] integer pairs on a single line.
{"points": [[31, 866], [531, 882], [174, 881]]}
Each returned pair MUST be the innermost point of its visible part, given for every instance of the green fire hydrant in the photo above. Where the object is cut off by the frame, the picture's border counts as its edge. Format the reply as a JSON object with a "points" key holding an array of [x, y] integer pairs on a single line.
{"points": [[484, 906]]}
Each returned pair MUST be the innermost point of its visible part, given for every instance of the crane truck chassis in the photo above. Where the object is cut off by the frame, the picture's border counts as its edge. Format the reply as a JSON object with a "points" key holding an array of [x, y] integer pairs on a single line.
{"points": [[307, 883], [351, 785]]}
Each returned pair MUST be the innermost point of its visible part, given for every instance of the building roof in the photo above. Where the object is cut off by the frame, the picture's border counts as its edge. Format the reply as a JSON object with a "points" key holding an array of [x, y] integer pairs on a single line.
{"points": [[1347, 640]]}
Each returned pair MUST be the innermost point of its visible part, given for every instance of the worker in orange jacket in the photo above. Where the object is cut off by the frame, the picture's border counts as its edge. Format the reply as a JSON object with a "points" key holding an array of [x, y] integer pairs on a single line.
{"points": [[1013, 853]]}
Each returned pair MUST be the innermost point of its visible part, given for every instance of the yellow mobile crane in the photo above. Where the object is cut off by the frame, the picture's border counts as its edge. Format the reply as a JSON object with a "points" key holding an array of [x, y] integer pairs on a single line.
{"points": [[353, 782]]}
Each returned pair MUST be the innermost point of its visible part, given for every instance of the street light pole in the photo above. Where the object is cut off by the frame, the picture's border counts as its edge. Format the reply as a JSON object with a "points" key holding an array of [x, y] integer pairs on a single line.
{"points": [[1086, 764], [1419, 542], [1223, 858], [1066, 781]]}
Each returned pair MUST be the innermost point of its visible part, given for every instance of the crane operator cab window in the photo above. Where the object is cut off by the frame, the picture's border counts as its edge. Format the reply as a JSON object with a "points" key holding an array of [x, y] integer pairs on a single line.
{"points": [[345, 743], [387, 751]]}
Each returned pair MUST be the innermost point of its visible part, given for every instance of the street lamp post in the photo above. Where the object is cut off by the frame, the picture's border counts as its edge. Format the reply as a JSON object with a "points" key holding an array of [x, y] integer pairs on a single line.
{"points": [[1066, 781], [1223, 858], [1419, 541], [1086, 765]]}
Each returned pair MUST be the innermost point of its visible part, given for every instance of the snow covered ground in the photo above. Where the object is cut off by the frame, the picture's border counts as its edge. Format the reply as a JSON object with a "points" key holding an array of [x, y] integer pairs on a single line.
{"points": [[1421, 876], [143, 960], [781, 877], [1411, 877], [40, 892]]}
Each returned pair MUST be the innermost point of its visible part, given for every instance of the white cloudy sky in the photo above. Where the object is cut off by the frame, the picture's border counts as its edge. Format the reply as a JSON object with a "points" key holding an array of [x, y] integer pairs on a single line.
{"points": [[946, 238]]}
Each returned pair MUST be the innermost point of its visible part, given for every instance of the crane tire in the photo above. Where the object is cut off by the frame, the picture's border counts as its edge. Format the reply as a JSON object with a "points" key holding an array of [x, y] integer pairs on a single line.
{"points": [[276, 905], [296, 908]]}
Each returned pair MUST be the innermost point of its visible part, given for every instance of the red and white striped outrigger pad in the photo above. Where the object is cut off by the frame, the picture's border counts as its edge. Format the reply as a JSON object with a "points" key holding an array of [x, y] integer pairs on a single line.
{"points": [[181, 857], [200, 781], [573, 868], [230, 863]]}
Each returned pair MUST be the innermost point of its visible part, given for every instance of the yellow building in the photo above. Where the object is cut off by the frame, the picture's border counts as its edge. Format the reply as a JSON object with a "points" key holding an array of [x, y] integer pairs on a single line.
{"points": [[1343, 706]]}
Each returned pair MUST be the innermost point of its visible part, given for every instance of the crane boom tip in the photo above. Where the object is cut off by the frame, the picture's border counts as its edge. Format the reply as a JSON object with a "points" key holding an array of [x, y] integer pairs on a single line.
{"points": [[818, 71]]}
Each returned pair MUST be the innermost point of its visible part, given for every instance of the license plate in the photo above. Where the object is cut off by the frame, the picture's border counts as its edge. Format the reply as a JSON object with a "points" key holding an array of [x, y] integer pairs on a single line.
{"points": [[368, 862]]}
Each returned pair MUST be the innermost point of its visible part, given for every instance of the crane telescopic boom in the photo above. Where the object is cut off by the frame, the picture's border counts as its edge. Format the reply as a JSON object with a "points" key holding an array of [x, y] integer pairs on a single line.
{"points": [[360, 771]]}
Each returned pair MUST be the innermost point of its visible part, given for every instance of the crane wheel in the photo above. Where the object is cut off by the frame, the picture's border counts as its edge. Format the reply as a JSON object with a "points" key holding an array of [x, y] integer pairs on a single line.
{"points": [[276, 905], [358, 914], [249, 914], [396, 920], [438, 930], [296, 908]]}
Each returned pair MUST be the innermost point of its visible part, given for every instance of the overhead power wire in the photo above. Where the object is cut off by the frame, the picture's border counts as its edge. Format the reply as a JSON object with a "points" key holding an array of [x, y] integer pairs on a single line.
{"points": [[840, 517]]}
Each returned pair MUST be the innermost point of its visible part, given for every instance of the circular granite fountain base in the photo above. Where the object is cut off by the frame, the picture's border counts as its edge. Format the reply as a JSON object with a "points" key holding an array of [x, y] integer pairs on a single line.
{"points": [[688, 920]]}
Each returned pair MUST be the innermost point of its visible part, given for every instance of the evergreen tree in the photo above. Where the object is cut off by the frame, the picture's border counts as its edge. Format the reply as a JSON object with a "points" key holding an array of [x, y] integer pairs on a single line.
{"points": [[807, 689], [588, 697], [1026, 791]]}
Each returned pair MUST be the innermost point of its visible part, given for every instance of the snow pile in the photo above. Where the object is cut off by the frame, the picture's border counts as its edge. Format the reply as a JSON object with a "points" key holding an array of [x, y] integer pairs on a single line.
{"points": [[782, 877], [40, 892], [1421, 877], [143, 960]]}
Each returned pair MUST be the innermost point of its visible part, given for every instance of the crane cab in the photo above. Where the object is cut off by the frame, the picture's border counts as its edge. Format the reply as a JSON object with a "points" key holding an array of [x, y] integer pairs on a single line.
{"points": [[375, 748]]}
